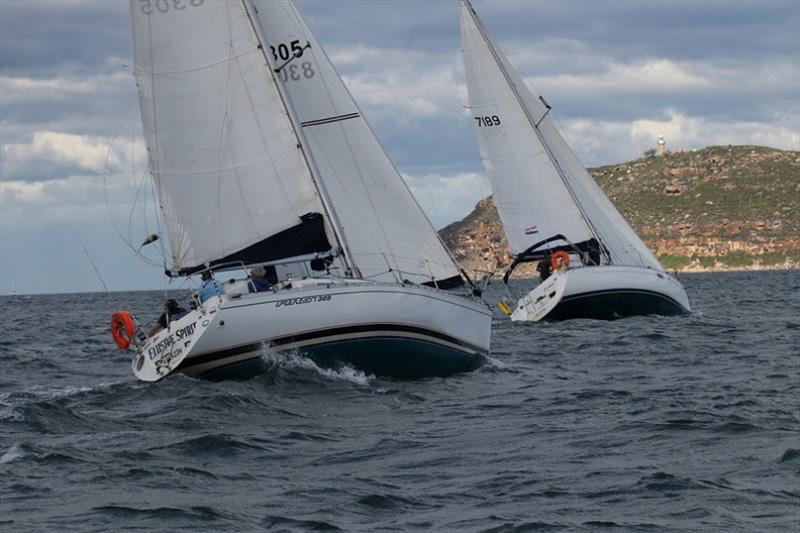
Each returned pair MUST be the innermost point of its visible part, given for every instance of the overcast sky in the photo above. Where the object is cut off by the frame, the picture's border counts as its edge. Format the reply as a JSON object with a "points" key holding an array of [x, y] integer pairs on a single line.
{"points": [[617, 74]]}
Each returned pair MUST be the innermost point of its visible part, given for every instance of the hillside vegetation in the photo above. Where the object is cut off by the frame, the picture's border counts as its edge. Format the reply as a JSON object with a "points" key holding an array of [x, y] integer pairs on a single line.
{"points": [[720, 208]]}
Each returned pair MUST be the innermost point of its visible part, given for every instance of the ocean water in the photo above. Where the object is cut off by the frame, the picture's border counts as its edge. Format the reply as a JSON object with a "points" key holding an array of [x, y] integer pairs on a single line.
{"points": [[646, 424]]}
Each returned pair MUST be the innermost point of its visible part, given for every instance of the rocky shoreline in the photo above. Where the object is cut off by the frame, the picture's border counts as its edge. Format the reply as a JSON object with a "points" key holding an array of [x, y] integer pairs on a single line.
{"points": [[734, 208]]}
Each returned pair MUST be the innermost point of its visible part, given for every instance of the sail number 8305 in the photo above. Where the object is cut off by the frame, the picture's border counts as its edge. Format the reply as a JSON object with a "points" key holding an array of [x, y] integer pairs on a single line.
{"points": [[148, 7], [488, 122]]}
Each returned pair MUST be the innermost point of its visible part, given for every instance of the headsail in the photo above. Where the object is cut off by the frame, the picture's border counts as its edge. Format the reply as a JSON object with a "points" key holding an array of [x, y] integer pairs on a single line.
{"points": [[384, 225], [541, 189], [231, 178]]}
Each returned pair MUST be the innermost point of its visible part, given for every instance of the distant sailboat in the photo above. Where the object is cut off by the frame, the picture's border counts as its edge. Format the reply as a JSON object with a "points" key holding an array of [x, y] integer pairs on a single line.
{"points": [[261, 158], [551, 208], [13, 289]]}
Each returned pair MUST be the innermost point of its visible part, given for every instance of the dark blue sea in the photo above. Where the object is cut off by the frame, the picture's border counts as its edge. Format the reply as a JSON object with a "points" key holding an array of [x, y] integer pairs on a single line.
{"points": [[686, 423]]}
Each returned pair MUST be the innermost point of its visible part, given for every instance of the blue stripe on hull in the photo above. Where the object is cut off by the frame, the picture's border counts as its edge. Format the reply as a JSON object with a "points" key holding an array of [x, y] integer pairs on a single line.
{"points": [[398, 358], [611, 305]]}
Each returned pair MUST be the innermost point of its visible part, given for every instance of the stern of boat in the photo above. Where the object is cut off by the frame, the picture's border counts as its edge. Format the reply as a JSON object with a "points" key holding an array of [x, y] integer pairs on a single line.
{"points": [[604, 293]]}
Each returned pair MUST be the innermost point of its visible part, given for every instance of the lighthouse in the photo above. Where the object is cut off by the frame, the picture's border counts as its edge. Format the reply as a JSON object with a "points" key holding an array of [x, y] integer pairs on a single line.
{"points": [[662, 146]]}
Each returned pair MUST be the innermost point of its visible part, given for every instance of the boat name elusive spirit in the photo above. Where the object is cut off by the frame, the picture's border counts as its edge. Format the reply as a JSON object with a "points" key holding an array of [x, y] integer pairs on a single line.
{"points": [[184, 332]]}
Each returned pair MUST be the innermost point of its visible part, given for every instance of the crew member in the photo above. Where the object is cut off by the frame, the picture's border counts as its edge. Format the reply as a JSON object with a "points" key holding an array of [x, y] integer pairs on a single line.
{"points": [[592, 253], [172, 312], [544, 269], [209, 288]]}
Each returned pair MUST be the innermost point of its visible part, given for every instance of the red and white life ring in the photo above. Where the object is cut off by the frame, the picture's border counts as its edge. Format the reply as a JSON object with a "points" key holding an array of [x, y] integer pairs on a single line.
{"points": [[123, 329], [559, 260]]}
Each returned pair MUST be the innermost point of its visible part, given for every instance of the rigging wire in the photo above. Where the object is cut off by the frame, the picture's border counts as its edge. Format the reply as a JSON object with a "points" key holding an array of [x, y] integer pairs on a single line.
{"points": [[94, 266], [106, 173]]}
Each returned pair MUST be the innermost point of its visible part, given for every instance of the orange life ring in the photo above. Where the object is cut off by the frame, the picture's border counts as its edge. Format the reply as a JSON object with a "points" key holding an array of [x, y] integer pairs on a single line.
{"points": [[123, 329], [554, 261]]}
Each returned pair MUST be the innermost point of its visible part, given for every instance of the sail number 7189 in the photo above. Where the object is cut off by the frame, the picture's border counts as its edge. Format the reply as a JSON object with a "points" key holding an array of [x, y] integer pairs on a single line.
{"points": [[494, 120]]}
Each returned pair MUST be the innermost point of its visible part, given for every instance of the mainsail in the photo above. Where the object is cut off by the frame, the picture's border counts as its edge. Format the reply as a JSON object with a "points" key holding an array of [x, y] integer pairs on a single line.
{"points": [[384, 226], [541, 189], [232, 181]]}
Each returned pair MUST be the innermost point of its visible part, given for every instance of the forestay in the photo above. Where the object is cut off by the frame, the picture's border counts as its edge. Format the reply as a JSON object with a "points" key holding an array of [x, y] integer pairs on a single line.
{"points": [[231, 178], [384, 226], [540, 187]]}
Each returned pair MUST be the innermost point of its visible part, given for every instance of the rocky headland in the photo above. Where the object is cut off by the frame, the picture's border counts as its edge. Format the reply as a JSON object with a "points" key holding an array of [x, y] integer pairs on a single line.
{"points": [[719, 208]]}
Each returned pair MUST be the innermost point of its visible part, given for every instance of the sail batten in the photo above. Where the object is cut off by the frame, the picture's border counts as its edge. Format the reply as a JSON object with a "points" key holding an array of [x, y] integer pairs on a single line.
{"points": [[541, 188]]}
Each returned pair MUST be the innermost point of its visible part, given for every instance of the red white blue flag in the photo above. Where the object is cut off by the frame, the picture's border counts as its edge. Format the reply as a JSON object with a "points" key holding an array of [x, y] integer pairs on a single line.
{"points": [[531, 230]]}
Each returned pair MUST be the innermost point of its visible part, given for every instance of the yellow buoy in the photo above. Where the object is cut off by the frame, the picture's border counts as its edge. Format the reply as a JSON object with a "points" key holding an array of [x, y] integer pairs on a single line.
{"points": [[504, 308]]}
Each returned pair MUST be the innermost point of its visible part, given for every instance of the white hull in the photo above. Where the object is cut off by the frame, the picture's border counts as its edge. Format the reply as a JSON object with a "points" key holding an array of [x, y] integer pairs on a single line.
{"points": [[603, 292], [388, 329]]}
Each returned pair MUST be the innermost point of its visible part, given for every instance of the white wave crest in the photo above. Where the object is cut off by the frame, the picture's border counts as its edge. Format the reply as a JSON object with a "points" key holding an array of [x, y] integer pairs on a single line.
{"points": [[492, 362], [293, 359], [15, 452]]}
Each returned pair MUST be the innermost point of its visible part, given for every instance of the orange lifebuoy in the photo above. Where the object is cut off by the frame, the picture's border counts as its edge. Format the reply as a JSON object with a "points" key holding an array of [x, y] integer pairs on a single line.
{"points": [[559, 260], [123, 328]]}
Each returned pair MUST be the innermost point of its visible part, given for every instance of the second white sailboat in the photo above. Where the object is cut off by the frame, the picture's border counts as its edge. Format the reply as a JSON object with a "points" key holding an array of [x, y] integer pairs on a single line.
{"points": [[552, 210]]}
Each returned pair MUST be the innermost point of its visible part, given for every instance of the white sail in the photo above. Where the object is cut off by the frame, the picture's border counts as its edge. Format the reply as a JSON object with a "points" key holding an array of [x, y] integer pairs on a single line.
{"points": [[227, 164], [541, 189], [384, 226]]}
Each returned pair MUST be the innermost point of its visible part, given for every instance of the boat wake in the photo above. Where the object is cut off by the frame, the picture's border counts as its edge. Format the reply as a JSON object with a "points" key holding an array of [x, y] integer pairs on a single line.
{"points": [[294, 361]]}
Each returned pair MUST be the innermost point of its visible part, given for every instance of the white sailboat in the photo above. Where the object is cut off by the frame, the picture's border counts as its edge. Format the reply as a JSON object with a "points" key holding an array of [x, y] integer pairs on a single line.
{"points": [[550, 207], [260, 157]]}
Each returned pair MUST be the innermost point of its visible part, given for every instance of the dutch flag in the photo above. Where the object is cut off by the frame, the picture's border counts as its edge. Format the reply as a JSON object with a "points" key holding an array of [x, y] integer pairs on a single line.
{"points": [[531, 230]]}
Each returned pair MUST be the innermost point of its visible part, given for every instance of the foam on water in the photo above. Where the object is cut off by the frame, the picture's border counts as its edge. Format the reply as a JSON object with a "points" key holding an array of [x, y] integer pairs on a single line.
{"points": [[295, 360], [15, 452]]}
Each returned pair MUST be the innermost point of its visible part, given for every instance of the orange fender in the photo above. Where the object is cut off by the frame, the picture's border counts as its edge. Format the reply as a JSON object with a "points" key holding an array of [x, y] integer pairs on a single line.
{"points": [[123, 329], [559, 260]]}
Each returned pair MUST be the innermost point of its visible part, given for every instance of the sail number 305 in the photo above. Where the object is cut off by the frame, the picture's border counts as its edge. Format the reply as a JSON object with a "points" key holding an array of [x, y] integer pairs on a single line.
{"points": [[288, 53], [148, 7], [488, 122]]}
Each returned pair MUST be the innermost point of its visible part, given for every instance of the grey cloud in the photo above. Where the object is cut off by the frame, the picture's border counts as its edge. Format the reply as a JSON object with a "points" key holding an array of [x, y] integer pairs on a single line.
{"points": [[97, 105], [48, 36], [683, 30], [442, 145]]}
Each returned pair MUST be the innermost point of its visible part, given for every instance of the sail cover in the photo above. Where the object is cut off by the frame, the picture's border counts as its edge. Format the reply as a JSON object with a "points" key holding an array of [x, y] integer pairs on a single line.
{"points": [[232, 181], [541, 189], [384, 226]]}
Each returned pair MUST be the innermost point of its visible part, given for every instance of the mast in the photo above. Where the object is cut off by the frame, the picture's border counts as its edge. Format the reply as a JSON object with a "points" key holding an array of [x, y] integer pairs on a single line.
{"points": [[533, 122], [302, 143]]}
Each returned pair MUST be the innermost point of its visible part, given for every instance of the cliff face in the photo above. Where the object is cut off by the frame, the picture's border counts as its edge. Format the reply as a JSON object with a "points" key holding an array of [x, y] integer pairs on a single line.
{"points": [[719, 208]]}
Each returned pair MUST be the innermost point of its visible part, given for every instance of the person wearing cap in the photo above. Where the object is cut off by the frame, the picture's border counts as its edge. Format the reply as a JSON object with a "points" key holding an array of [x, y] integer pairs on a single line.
{"points": [[209, 287], [263, 278], [172, 312]]}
